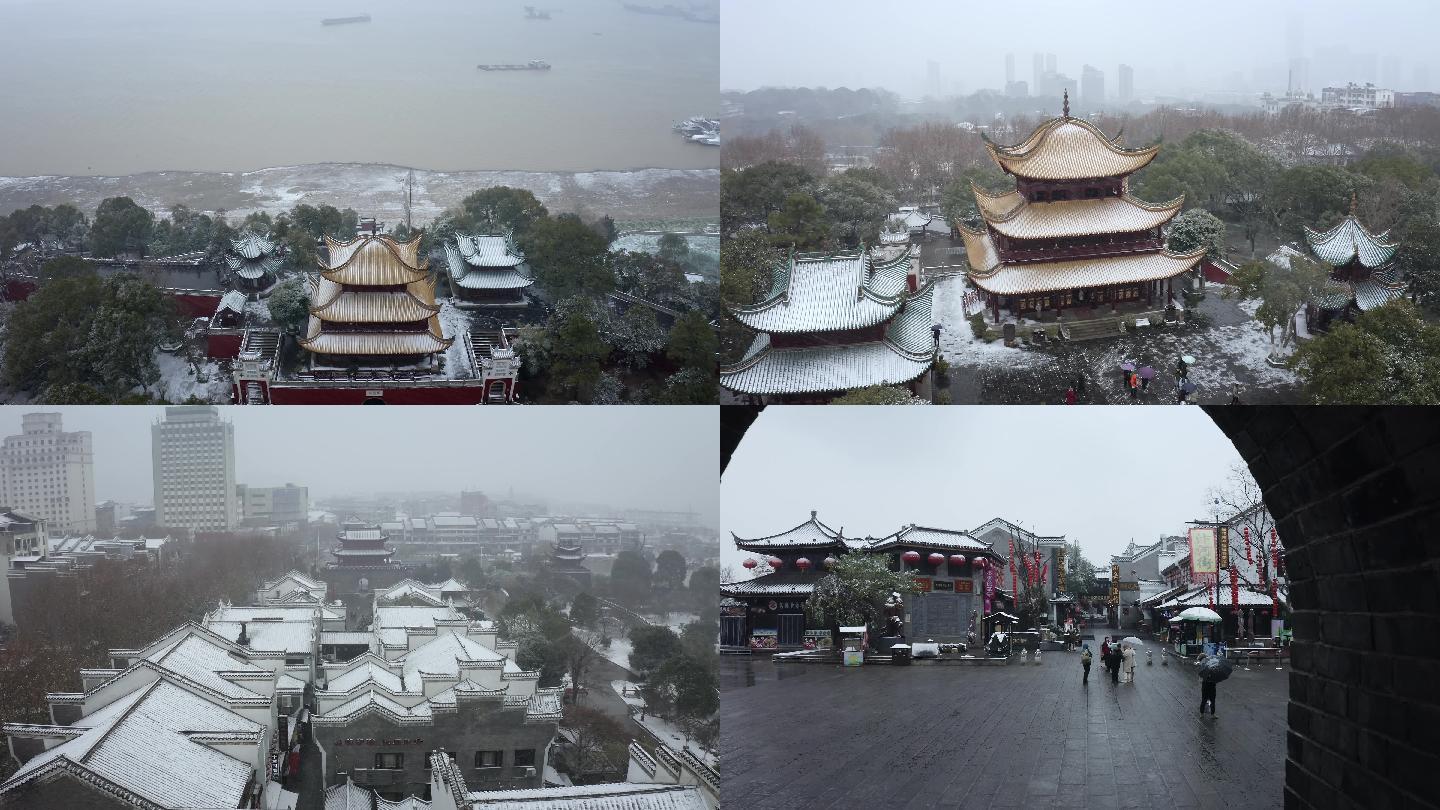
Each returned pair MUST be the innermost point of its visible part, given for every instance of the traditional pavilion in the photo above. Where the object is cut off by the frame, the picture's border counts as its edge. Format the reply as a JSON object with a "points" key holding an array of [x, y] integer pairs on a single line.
{"points": [[1364, 275], [373, 305], [361, 545], [1070, 236], [254, 263], [836, 322], [488, 270], [767, 613]]}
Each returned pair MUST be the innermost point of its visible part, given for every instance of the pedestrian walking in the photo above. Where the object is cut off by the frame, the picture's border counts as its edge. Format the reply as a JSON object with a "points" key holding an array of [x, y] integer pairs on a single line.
{"points": [[1207, 695], [1069, 396], [1129, 664], [1134, 386], [1105, 650], [1085, 659], [1182, 368]]}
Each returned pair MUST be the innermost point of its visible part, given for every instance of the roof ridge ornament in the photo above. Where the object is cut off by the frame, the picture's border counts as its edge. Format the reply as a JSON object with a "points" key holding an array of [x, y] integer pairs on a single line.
{"points": [[1066, 108]]}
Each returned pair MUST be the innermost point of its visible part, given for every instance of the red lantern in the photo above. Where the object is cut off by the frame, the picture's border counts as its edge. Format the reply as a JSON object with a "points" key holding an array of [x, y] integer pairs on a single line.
{"points": [[911, 557], [750, 563], [936, 558], [958, 560], [803, 563], [1248, 558], [775, 562], [829, 562], [980, 562]]}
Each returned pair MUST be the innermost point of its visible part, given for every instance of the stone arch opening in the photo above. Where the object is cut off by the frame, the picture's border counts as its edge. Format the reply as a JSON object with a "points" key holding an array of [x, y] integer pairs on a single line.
{"points": [[1355, 493], [373, 401]]}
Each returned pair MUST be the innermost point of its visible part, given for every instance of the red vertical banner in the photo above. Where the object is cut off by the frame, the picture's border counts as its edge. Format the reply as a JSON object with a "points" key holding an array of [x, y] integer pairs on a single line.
{"points": [[1248, 558], [1014, 581]]}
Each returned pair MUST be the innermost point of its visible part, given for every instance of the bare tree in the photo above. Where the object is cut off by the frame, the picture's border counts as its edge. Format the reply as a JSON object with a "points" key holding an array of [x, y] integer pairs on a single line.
{"points": [[1241, 500]]}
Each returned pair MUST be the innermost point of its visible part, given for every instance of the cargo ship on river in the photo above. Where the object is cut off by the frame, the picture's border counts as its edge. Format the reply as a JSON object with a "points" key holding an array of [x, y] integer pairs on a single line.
{"points": [[359, 18], [533, 64]]}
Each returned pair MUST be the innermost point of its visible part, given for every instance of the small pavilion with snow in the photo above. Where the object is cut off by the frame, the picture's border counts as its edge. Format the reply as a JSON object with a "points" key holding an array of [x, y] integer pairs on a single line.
{"points": [[1364, 273]]}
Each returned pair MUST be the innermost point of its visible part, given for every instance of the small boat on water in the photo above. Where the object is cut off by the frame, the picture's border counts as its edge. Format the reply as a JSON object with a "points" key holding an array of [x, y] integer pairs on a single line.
{"points": [[359, 18], [533, 64]]}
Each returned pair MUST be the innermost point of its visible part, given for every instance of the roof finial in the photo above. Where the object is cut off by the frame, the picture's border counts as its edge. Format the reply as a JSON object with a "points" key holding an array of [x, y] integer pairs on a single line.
{"points": [[1352, 202], [1066, 108]]}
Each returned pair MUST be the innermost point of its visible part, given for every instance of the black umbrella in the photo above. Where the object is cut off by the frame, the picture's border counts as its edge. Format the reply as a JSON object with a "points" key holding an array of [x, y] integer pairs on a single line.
{"points": [[1188, 387], [1215, 669]]}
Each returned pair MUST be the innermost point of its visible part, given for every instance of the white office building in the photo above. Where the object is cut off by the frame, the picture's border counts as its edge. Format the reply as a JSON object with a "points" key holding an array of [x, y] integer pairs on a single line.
{"points": [[50, 474], [194, 467]]}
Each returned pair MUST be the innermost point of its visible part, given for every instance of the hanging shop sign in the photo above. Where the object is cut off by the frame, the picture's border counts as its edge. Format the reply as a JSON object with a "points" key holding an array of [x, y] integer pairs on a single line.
{"points": [[1202, 550], [1224, 561], [1114, 585], [1060, 570], [923, 584], [962, 586], [373, 741], [943, 585]]}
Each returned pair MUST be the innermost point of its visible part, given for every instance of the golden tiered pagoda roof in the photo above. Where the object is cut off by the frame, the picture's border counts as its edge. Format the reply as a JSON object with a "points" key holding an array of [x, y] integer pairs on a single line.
{"points": [[1068, 148], [1013, 216], [331, 301], [374, 261], [989, 273], [377, 343]]}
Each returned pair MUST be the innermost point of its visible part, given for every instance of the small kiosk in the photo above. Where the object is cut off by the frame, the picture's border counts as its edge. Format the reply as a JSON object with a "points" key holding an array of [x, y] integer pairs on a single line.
{"points": [[852, 645]]}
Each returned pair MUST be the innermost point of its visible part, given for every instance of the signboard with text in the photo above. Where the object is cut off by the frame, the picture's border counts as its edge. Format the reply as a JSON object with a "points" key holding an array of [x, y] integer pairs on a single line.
{"points": [[1224, 547], [1202, 550]]}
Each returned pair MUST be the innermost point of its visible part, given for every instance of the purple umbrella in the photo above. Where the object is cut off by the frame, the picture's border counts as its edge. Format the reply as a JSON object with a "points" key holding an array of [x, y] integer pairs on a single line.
{"points": [[1127, 366], [1188, 387], [1147, 373]]}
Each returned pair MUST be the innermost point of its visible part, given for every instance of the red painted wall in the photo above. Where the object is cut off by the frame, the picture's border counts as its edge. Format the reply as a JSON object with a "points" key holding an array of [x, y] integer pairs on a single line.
{"points": [[18, 289], [1214, 273], [223, 345], [196, 305], [301, 394]]}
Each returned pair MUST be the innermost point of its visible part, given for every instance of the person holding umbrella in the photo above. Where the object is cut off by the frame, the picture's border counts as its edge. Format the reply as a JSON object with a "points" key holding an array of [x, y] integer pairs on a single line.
{"points": [[1212, 671], [1146, 374]]}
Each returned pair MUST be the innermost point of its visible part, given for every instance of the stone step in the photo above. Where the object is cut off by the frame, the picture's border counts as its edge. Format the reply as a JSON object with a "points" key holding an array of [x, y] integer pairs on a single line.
{"points": [[1089, 330]]}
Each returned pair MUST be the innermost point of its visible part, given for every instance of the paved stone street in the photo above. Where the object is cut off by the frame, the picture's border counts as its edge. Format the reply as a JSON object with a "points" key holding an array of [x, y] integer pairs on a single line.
{"points": [[930, 735]]}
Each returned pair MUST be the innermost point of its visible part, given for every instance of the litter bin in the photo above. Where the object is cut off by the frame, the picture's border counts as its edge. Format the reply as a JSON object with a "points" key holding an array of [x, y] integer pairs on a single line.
{"points": [[900, 655]]}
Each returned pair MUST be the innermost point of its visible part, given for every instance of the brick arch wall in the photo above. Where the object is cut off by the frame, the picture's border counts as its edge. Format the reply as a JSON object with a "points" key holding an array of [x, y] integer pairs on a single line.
{"points": [[1356, 497]]}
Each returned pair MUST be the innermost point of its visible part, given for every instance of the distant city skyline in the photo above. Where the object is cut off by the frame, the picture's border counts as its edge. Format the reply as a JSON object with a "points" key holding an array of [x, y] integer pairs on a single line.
{"points": [[1311, 44], [655, 457]]}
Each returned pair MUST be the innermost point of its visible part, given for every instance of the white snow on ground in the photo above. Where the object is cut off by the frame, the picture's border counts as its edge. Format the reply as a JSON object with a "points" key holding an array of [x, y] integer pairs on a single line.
{"points": [[668, 732], [650, 243], [957, 340], [671, 735], [454, 322], [178, 381], [619, 652]]}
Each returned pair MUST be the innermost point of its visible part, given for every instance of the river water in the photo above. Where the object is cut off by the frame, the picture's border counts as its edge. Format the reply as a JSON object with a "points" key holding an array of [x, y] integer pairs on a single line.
{"points": [[97, 87]]}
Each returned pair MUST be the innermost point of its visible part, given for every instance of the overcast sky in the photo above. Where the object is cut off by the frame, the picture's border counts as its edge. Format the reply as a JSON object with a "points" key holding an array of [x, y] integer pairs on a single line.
{"points": [[644, 457], [1097, 475], [1174, 47]]}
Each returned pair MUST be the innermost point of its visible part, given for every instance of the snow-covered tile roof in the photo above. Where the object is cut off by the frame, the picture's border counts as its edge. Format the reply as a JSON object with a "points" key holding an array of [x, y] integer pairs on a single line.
{"points": [[494, 277], [144, 743], [906, 352], [607, 796], [927, 537], [814, 293], [443, 654], [296, 638], [368, 671], [488, 250], [201, 660], [1345, 242], [784, 583], [810, 533]]}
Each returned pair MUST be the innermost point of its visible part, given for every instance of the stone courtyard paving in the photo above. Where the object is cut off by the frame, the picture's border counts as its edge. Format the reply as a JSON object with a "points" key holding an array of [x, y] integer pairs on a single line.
{"points": [[935, 735], [1230, 351]]}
